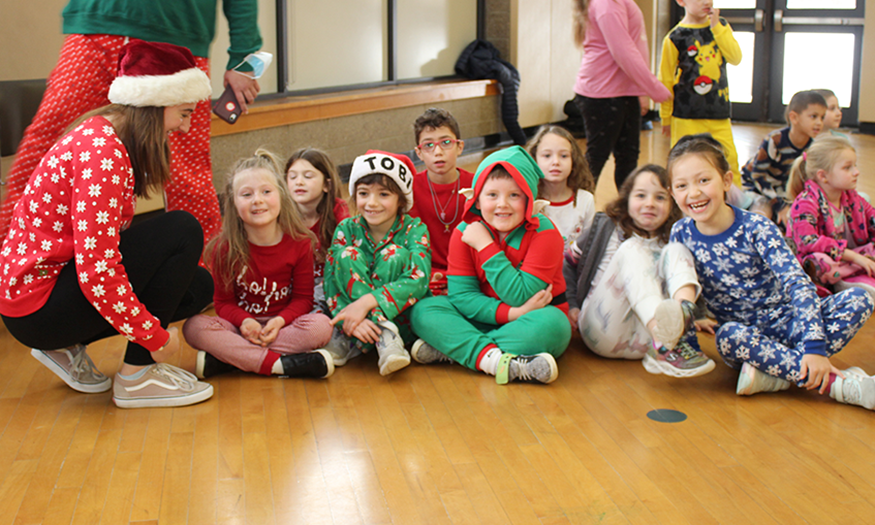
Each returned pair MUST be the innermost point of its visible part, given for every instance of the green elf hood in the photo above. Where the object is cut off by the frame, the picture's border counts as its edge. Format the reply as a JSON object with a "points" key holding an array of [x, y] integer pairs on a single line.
{"points": [[524, 170]]}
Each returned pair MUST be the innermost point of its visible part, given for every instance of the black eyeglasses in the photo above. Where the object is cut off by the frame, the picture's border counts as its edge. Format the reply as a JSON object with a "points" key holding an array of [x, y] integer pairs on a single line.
{"points": [[445, 144]]}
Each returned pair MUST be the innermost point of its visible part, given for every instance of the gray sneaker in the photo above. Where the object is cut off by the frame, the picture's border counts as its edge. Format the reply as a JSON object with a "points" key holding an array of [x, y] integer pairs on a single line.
{"points": [[538, 368], [161, 385], [390, 348], [75, 368], [425, 354], [854, 390], [341, 348]]}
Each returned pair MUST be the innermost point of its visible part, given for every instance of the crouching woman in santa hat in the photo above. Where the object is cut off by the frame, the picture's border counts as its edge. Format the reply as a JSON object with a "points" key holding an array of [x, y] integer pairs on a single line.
{"points": [[73, 272]]}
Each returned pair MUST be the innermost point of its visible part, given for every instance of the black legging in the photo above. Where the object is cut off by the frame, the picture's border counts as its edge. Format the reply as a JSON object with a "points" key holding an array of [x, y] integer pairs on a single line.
{"points": [[612, 125], [160, 256]]}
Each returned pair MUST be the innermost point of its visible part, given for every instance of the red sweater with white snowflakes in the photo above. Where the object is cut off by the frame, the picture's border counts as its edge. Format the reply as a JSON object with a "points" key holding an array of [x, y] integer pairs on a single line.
{"points": [[278, 281], [77, 202]]}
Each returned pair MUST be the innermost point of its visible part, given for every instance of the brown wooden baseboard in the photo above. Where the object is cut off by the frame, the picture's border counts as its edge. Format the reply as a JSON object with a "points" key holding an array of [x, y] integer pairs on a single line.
{"points": [[281, 112]]}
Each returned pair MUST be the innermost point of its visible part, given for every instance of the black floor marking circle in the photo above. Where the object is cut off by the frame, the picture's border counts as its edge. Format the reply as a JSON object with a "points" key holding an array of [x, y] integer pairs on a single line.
{"points": [[666, 415]]}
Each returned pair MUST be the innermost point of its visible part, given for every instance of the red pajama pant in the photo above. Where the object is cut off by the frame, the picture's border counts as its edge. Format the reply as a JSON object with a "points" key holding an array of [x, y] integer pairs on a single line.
{"points": [[80, 83]]}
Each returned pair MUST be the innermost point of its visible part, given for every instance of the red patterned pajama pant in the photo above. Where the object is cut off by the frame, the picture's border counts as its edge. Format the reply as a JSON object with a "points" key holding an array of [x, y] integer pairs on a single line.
{"points": [[80, 83]]}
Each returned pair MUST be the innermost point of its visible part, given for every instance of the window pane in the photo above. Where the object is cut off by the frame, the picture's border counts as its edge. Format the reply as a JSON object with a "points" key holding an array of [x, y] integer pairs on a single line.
{"points": [[741, 76], [431, 35], [821, 4], [336, 43], [830, 55]]}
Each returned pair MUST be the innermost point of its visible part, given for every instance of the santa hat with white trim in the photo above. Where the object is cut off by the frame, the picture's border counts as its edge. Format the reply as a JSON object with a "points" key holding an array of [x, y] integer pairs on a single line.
{"points": [[396, 166], [157, 74]]}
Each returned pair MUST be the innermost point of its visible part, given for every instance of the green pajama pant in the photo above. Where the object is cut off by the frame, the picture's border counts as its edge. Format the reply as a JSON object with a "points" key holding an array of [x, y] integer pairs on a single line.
{"points": [[442, 326], [354, 276]]}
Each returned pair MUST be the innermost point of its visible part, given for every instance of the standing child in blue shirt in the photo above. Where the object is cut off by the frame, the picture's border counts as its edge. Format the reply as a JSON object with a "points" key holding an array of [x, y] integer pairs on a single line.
{"points": [[766, 174], [773, 327]]}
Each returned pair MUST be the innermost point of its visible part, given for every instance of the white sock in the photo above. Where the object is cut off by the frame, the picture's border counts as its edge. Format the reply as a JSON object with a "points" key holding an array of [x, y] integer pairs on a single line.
{"points": [[277, 368], [489, 362]]}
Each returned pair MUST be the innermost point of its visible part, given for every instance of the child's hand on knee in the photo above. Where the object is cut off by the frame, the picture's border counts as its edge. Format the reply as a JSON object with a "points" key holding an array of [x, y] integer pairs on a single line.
{"points": [[355, 313], [706, 324], [271, 330], [367, 332], [817, 369], [251, 330]]}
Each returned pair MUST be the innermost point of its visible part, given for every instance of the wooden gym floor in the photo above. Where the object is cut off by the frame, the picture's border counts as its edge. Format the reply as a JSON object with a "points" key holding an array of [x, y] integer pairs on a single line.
{"points": [[441, 444]]}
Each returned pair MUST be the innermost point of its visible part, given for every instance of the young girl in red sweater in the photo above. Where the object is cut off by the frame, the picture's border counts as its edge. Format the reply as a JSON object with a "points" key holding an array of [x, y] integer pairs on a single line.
{"points": [[262, 266]]}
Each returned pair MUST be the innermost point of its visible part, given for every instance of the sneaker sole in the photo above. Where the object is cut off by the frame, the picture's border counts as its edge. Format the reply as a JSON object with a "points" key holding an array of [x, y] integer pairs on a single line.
{"points": [[393, 364], [169, 401], [329, 362], [655, 367], [669, 318], [59, 371], [200, 364]]}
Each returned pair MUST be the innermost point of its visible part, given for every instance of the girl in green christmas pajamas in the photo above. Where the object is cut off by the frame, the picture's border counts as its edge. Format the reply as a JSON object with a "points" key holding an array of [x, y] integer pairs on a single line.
{"points": [[379, 262], [506, 302]]}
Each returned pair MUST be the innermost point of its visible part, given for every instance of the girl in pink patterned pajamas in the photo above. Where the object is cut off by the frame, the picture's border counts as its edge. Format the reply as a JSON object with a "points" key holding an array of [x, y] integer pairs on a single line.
{"points": [[262, 267], [830, 223]]}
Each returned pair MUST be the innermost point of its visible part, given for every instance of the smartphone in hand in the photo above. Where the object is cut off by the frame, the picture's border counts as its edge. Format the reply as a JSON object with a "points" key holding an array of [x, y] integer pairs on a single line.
{"points": [[227, 107]]}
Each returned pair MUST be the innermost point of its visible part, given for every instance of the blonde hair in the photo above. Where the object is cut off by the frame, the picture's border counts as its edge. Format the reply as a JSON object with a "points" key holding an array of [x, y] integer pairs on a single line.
{"points": [[228, 254], [581, 19], [325, 209], [580, 177], [822, 155]]}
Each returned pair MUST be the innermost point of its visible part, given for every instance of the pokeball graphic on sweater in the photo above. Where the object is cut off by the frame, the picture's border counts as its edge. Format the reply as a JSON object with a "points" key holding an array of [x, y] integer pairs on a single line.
{"points": [[703, 85], [692, 51]]}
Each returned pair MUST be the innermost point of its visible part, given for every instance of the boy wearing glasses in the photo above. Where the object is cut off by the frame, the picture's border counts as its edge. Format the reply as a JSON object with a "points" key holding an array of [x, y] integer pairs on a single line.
{"points": [[436, 198]]}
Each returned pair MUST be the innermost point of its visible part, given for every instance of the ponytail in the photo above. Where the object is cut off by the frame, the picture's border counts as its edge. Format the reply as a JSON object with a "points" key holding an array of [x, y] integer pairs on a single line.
{"points": [[822, 155]]}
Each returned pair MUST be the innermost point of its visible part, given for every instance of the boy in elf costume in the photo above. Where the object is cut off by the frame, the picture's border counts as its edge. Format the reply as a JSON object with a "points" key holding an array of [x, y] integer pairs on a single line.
{"points": [[506, 291]]}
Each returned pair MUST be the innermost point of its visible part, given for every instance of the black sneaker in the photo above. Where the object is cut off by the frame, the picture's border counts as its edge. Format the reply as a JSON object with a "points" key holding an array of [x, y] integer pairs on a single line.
{"points": [[318, 364], [209, 366]]}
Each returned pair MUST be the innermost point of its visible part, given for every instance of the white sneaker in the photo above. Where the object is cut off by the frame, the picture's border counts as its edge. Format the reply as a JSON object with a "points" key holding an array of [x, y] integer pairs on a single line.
{"points": [[854, 390], [161, 385], [538, 368], [390, 348], [75, 368], [751, 380]]}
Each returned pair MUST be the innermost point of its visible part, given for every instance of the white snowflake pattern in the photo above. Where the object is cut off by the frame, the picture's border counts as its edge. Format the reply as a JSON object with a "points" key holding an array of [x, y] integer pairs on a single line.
{"points": [[80, 206], [13, 281], [98, 290], [116, 179], [100, 266], [22, 248], [53, 162], [121, 290], [28, 279], [82, 225], [126, 328], [57, 226], [108, 130], [109, 253], [62, 209], [119, 308], [135, 311], [55, 178], [67, 140], [106, 164], [743, 353], [98, 142], [37, 222], [147, 325], [773, 370], [84, 156], [46, 245], [94, 190], [110, 231], [34, 205], [88, 132], [83, 277], [113, 203], [86, 174], [90, 243], [67, 156], [787, 360], [102, 217]]}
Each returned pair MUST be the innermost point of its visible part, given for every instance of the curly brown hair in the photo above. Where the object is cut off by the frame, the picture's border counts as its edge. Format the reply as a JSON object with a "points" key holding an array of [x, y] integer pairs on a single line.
{"points": [[618, 209]]}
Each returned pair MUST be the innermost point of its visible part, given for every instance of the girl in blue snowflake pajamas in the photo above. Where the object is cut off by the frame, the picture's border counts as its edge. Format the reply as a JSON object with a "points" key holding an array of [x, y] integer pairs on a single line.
{"points": [[774, 328]]}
